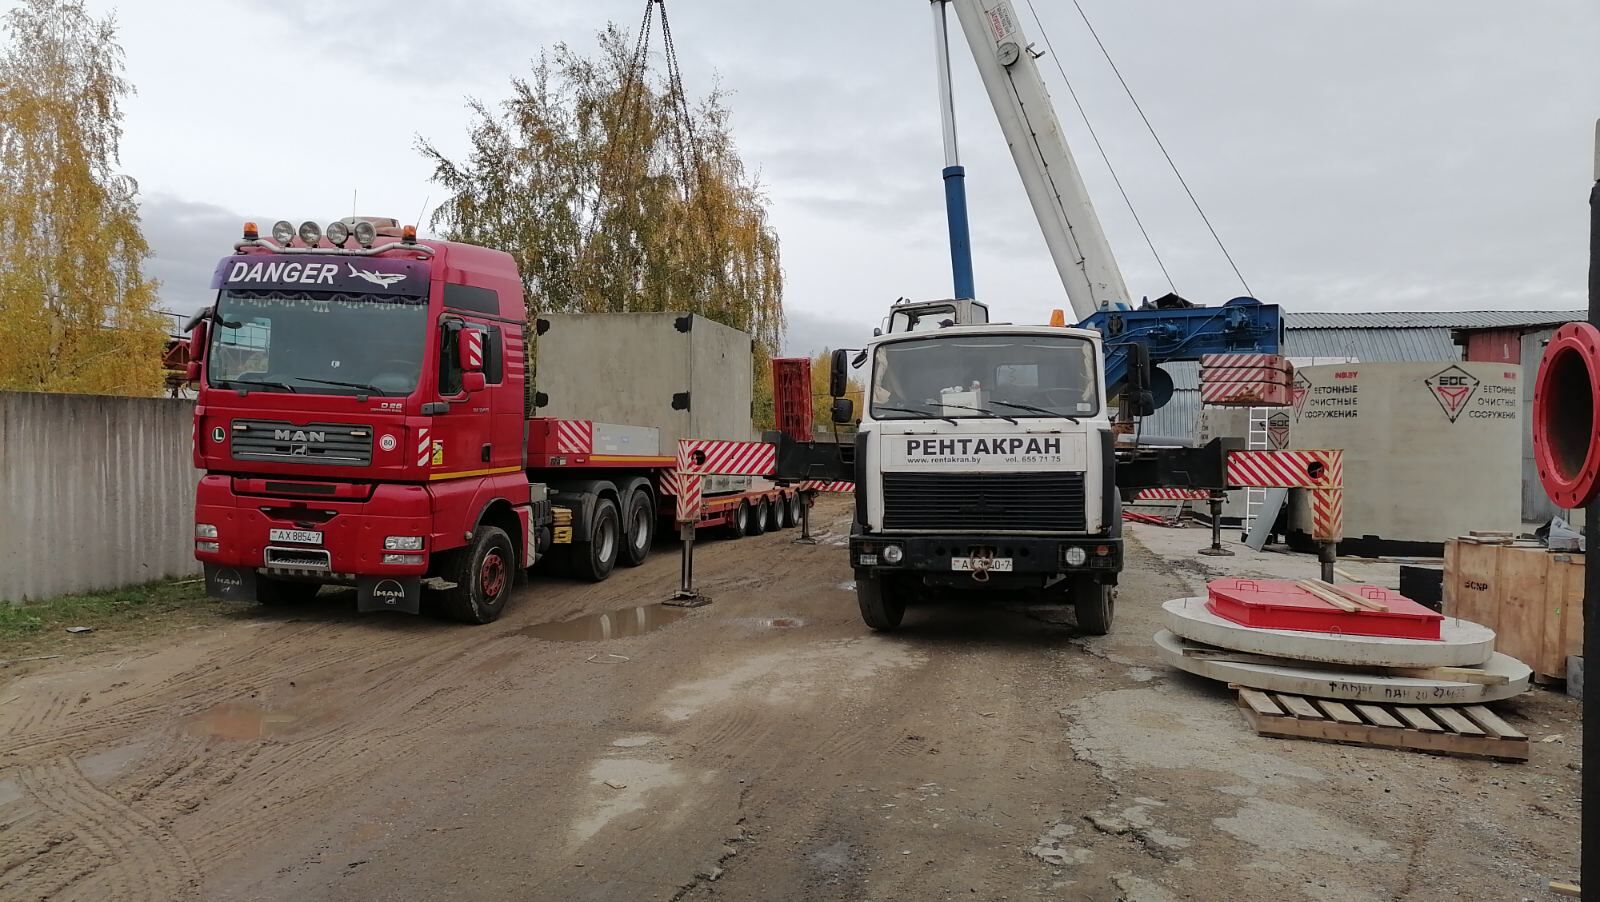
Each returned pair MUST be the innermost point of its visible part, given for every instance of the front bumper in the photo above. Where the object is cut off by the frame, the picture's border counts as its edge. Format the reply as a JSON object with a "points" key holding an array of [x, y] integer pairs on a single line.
{"points": [[1034, 560]]}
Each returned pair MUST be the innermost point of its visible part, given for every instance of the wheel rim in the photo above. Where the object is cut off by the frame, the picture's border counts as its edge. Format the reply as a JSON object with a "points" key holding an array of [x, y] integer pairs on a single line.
{"points": [[607, 540], [492, 575], [743, 517], [641, 529]]}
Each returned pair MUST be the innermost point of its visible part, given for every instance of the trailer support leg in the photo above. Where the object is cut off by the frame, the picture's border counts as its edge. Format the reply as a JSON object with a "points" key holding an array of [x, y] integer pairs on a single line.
{"points": [[1327, 555], [805, 519], [686, 596], [1216, 549]]}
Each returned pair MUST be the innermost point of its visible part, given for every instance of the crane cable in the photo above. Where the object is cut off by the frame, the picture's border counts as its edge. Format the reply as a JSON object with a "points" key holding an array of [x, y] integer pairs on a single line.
{"points": [[1100, 147]]}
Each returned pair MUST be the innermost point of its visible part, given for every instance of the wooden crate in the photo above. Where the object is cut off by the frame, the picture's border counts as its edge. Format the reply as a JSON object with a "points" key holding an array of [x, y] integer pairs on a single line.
{"points": [[1466, 730], [1532, 599]]}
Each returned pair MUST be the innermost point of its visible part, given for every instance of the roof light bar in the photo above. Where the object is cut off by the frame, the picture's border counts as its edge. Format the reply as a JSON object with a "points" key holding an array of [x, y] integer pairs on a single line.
{"points": [[310, 233], [283, 232], [338, 233], [366, 233]]}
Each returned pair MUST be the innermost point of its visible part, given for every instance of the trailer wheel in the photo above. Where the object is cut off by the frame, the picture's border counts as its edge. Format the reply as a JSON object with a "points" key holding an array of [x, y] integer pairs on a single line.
{"points": [[882, 604], [595, 559], [284, 592], [757, 522], [640, 531], [1095, 604], [775, 514], [739, 525], [789, 511], [482, 572]]}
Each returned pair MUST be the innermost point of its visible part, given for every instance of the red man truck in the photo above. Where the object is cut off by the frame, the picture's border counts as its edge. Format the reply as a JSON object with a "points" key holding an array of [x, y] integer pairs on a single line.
{"points": [[365, 418]]}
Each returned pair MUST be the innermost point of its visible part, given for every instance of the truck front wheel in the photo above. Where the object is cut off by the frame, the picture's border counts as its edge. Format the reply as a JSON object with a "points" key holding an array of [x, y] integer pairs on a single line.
{"points": [[595, 559], [881, 602], [482, 573], [1095, 604]]}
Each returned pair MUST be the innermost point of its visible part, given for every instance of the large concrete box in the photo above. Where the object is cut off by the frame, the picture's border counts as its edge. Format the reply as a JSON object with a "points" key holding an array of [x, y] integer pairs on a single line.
{"points": [[682, 374], [1431, 450]]}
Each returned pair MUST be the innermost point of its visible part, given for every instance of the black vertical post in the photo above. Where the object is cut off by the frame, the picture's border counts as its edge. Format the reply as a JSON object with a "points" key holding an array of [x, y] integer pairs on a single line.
{"points": [[1590, 849]]}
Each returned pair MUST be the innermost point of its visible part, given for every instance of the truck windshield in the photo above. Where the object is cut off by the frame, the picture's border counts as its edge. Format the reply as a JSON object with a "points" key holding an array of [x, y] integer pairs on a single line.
{"points": [[317, 342], [953, 375]]}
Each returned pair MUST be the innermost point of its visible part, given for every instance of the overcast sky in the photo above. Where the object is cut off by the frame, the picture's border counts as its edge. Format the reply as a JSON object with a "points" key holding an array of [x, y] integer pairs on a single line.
{"points": [[1353, 154]]}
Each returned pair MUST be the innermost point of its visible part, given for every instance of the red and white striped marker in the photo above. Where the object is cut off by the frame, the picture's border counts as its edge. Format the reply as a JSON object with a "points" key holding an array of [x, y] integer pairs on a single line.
{"points": [[474, 359], [702, 457], [691, 501], [1305, 469], [1173, 495], [424, 447], [574, 437]]}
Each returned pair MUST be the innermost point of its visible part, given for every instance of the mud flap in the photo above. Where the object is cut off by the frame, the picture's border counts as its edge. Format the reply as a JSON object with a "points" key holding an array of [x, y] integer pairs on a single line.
{"points": [[389, 593], [230, 583]]}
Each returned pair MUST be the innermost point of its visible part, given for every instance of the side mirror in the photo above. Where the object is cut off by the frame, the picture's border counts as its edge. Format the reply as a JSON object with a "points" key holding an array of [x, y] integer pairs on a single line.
{"points": [[839, 374], [191, 372], [469, 351], [1144, 403], [1140, 371], [198, 336], [844, 410], [473, 381]]}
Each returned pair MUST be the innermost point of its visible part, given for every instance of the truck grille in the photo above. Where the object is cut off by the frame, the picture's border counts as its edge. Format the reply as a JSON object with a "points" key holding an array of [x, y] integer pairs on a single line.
{"points": [[983, 502], [329, 444]]}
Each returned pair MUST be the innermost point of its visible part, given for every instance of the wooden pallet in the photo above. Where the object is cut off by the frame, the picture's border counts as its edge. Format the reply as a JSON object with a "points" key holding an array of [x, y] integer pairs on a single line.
{"points": [[1469, 730]]}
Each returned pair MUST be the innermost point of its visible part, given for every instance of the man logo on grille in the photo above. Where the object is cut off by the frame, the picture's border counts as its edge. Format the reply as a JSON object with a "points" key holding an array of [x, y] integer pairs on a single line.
{"points": [[1452, 388]]}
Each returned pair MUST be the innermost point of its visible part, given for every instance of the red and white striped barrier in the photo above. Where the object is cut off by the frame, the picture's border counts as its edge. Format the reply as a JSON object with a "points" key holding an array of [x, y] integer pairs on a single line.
{"points": [[574, 437], [820, 486], [1327, 514], [1266, 361], [1308, 469], [1173, 495], [690, 499], [701, 457], [1246, 394]]}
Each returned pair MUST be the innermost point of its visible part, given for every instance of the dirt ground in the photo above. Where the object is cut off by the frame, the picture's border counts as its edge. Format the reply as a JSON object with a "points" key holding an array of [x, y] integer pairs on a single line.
{"points": [[764, 747]]}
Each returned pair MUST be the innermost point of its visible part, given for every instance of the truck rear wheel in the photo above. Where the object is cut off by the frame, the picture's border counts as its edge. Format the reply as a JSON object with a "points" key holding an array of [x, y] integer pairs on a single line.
{"points": [[1095, 604], [789, 511], [775, 514], [738, 524], [284, 592], [757, 523], [882, 603], [640, 531], [482, 572], [595, 559]]}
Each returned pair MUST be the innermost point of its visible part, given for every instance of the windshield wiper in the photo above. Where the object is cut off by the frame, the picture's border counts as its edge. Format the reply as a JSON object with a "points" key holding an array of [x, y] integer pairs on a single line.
{"points": [[269, 383], [356, 385], [983, 410], [1039, 410], [921, 413]]}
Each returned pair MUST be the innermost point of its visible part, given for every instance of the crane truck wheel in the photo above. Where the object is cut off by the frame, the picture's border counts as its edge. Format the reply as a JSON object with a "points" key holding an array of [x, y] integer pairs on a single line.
{"points": [[1095, 603], [739, 525], [775, 514], [595, 559], [284, 592], [756, 524], [640, 531], [789, 511], [482, 572], [882, 605]]}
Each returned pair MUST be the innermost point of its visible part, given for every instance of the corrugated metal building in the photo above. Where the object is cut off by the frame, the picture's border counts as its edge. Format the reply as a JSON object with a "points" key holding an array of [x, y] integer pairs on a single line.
{"points": [[1508, 336]]}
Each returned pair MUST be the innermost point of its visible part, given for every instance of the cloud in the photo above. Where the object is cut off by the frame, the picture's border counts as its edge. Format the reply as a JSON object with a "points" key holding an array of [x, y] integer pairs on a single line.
{"points": [[809, 334], [186, 239]]}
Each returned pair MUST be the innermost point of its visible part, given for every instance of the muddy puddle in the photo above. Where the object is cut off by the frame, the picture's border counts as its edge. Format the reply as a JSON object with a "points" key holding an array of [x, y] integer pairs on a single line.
{"points": [[238, 721], [620, 624]]}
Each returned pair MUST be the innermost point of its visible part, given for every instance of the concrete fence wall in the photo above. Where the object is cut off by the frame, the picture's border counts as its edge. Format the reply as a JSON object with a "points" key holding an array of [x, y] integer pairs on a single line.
{"points": [[95, 493]]}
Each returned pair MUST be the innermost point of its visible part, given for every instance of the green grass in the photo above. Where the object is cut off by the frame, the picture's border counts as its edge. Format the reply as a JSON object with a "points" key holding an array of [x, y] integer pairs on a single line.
{"points": [[127, 613]]}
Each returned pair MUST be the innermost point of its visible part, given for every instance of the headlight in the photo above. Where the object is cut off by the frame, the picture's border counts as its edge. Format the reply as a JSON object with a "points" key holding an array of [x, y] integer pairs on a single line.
{"points": [[1075, 556], [205, 531], [402, 559], [310, 233], [283, 232], [365, 233], [211, 547], [893, 554], [402, 543], [338, 233]]}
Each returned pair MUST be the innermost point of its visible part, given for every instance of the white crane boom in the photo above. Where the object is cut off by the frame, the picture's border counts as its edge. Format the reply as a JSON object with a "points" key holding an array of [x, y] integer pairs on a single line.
{"points": [[1039, 147]]}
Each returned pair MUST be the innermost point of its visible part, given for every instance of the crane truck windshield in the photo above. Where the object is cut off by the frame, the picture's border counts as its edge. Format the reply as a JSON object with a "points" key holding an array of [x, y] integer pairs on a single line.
{"points": [[1005, 376], [317, 342]]}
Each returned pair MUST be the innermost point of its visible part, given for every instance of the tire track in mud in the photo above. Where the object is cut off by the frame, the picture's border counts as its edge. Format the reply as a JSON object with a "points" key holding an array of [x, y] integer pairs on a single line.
{"points": [[88, 845]]}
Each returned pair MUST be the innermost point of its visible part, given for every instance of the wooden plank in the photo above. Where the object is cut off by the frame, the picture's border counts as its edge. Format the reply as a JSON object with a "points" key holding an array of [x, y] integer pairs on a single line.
{"points": [[1448, 587], [1474, 583], [1452, 718], [1563, 888], [1378, 716], [1338, 711], [1260, 703], [1491, 722], [1370, 604], [1521, 615], [1417, 719], [1319, 591], [1298, 706], [1489, 533], [1566, 633], [1387, 737]]}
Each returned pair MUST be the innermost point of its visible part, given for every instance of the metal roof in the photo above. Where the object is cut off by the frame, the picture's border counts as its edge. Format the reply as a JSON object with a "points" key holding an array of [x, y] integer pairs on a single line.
{"points": [[1432, 319], [1385, 345]]}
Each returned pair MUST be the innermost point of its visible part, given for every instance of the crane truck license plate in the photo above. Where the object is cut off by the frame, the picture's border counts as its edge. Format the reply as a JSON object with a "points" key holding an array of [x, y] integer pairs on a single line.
{"points": [[297, 536], [996, 564]]}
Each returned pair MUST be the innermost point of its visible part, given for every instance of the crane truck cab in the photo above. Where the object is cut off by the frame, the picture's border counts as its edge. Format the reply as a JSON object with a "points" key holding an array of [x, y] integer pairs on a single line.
{"points": [[984, 460], [920, 316]]}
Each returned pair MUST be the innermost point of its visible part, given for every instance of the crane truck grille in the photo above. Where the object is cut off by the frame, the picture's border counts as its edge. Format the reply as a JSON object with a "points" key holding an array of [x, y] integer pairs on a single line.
{"points": [[329, 444], [984, 502]]}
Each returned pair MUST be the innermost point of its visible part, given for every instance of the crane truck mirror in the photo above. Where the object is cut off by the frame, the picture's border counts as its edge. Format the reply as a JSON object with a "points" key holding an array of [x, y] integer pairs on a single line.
{"points": [[844, 411], [199, 332], [1144, 403], [839, 374]]}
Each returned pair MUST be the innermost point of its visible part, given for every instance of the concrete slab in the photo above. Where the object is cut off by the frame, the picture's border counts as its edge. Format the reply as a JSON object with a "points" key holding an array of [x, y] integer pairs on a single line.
{"points": [[1346, 685], [1464, 644]]}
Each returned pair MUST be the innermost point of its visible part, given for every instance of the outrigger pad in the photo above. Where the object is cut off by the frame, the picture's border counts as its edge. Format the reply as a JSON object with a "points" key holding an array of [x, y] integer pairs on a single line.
{"points": [[230, 583], [389, 593]]}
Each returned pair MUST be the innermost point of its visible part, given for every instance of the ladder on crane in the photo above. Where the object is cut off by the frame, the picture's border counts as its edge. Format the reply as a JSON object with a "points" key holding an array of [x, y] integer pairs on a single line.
{"points": [[1257, 438]]}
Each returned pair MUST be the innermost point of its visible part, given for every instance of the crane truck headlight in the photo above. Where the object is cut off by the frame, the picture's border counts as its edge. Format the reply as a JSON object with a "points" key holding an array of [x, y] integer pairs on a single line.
{"points": [[338, 233], [1075, 556], [893, 554], [402, 543], [310, 233], [283, 232], [205, 531], [366, 233]]}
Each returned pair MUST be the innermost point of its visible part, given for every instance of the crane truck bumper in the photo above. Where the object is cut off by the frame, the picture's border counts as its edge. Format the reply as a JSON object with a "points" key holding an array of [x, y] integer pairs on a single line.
{"points": [[1020, 561]]}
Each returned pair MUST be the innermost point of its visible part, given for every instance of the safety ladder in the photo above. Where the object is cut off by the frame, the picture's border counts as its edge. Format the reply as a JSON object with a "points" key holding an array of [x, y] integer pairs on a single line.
{"points": [[1256, 439]]}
